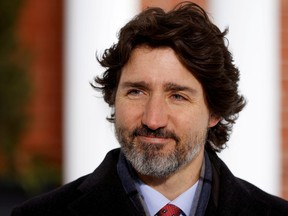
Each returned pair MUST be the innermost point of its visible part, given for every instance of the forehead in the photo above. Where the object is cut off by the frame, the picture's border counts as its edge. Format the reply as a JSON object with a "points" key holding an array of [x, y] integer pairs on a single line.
{"points": [[157, 66]]}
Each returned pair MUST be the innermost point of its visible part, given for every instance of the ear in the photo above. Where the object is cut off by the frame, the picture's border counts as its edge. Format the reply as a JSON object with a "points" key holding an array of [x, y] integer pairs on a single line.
{"points": [[213, 120]]}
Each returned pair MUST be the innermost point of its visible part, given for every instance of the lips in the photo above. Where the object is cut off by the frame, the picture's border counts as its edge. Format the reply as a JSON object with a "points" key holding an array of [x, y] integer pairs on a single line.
{"points": [[154, 139], [159, 135]]}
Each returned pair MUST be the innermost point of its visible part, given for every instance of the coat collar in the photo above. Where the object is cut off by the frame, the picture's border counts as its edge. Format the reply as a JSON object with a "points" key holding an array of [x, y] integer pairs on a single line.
{"points": [[231, 195], [102, 192]]}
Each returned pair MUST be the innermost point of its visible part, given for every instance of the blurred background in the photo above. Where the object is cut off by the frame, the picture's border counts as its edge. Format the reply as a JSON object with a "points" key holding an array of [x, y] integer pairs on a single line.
{"points": [[52, 123]]}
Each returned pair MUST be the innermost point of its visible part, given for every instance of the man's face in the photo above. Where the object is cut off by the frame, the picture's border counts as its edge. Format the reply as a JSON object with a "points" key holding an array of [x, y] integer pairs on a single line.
{"points": [[161, 118]]}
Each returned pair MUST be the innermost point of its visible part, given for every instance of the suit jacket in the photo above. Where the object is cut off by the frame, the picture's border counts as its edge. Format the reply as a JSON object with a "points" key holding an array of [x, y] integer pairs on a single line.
{"points": [[101, 193]]}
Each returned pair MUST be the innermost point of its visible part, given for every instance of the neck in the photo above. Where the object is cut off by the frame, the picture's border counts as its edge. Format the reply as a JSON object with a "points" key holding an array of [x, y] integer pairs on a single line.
{"points": [[177, 183]]}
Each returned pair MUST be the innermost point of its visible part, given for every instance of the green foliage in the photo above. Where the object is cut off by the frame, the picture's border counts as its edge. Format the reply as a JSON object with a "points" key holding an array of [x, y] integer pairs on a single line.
{"points": [[14, 86], [15, 91], [41, 176], [8, 17], [14, 83]]}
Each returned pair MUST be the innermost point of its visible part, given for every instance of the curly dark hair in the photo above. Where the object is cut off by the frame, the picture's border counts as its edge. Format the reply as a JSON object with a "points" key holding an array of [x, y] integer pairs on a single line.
{"points": [[200, 46]]}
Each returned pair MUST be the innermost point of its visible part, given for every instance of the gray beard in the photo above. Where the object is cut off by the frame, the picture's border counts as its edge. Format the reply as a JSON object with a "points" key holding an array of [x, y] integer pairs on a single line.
{"points": [[147, 159], [159, 166]]}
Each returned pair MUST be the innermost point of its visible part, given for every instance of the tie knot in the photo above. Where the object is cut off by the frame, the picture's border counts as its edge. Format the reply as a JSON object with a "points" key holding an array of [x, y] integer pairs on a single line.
{"points": [[169, 210]]}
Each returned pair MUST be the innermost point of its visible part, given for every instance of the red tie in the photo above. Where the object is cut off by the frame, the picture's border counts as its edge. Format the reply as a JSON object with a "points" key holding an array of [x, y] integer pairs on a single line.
{"points": [[169, 210]]}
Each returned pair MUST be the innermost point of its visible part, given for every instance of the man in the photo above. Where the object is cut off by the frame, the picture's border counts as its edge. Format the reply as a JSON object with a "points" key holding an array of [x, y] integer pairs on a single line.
{"points": [[174, 88]]}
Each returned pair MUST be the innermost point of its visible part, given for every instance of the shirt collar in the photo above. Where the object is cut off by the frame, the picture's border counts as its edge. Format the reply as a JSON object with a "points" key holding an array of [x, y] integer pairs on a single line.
{"points": [[155, 200]]}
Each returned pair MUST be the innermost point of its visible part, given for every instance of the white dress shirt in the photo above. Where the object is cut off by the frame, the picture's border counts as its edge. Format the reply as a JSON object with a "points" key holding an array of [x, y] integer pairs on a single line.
{"points": [[155, 200]]}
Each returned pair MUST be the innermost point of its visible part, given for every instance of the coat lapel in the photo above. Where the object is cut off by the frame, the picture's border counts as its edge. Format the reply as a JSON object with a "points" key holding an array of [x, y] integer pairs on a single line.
{"points": [[103, 201]]}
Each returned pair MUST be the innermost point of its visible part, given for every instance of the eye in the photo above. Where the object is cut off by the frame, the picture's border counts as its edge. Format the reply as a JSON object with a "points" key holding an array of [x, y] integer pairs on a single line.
{"points": [[178, 97], [134, 93]]}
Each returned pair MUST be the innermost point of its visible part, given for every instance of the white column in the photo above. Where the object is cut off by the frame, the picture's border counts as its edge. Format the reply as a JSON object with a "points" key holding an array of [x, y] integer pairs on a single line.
{"points": [[90, 26], [253, 151]]}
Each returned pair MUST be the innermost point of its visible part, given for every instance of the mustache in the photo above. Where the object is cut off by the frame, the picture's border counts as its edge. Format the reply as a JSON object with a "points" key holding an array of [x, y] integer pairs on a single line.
{"points": [[158, 133]]}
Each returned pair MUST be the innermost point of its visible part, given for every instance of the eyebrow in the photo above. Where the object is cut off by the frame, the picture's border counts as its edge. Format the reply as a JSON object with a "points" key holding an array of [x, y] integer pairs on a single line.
{"points": [[140, 84], [176, 87], [167, 87]]}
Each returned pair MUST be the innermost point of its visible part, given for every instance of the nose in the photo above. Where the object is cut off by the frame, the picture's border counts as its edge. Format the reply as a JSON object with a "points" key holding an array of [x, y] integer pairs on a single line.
{"points": [[155, 113]]}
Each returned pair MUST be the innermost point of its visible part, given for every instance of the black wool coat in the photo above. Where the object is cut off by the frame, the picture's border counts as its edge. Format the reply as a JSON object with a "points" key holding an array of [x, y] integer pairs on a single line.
{"points": [[102, 194]]}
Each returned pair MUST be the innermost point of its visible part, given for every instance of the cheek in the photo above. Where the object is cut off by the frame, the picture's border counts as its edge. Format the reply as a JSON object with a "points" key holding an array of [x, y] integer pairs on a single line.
{"points": [[120, 115], [193, 121], [126, 115]]}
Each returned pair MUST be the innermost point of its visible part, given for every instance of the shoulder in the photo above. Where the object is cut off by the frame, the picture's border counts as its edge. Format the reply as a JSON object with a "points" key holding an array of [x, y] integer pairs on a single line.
{"points": [[235, 195], [47, 203], [262, 199], [58, 201]]}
